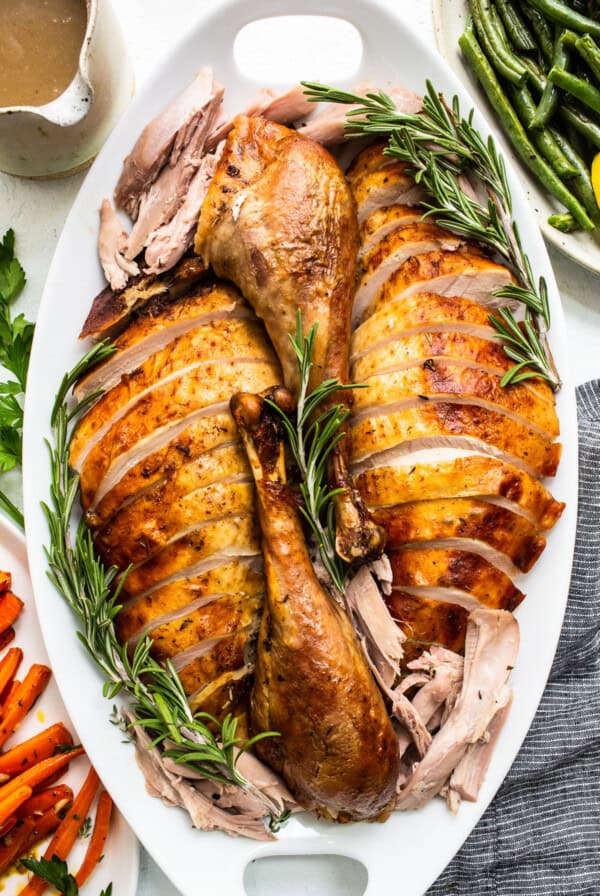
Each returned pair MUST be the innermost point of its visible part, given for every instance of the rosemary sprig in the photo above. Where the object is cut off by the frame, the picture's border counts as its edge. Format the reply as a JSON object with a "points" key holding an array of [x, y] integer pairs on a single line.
{"points": [[157, 700], [440, 147], [312, 437]]}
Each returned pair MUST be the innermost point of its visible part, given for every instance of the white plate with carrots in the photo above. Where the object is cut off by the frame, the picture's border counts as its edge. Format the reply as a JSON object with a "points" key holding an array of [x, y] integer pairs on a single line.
{"points": [[48, 790]]}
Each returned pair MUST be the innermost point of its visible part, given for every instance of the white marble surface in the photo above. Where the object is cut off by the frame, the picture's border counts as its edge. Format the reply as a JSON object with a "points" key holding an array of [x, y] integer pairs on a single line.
{"points": [[37, 210]]}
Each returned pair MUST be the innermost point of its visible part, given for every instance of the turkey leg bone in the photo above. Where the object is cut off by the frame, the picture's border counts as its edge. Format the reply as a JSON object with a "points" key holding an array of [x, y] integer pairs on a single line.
{"points": [[338, 751], [280, 222]]}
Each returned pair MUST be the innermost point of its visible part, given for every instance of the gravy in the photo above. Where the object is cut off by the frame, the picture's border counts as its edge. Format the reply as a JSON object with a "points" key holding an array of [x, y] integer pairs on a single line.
{"points": [[40, 42]]}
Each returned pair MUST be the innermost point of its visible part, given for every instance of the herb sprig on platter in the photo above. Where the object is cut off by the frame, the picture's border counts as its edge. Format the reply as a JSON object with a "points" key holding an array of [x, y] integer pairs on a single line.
{"points": [[440, 147], [157, 699], [312, 437], [16, 337]]}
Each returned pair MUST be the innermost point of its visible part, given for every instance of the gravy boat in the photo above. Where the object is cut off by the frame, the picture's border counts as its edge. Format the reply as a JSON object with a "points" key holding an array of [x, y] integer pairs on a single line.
{"points": [[64, 135]]}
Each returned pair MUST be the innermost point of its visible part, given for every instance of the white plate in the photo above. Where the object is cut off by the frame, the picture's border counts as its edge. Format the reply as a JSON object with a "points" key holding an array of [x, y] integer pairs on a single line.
{"points": [[121, 857], [449, 19], [410, 850]]}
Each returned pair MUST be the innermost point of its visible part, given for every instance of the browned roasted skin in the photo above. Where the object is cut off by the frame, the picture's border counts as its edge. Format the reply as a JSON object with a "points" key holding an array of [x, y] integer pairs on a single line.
{"points": [[280, 222], [338, 750]]}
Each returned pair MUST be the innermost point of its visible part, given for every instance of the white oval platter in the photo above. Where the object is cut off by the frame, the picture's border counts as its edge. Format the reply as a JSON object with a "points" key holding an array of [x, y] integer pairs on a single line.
{"points": [[121, 858], [410, 850], [449, 20]]}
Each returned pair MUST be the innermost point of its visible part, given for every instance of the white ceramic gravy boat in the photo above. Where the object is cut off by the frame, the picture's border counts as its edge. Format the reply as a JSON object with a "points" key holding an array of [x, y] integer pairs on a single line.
{"points": [[64, 135]]}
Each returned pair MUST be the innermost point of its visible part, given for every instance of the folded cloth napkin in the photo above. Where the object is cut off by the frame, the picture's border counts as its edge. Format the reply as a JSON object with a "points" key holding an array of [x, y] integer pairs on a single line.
{"points": [[541, 834]]}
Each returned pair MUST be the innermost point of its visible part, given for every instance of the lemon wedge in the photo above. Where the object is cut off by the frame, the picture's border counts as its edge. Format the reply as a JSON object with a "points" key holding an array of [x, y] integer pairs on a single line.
{"points": [[596, 177]]}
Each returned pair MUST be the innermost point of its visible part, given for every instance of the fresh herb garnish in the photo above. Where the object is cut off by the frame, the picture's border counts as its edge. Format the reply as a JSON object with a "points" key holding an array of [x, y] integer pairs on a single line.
{"points": [[157, 700], [311, 438], [439, 145], [86, 828], [16, 336], [56, 872]]}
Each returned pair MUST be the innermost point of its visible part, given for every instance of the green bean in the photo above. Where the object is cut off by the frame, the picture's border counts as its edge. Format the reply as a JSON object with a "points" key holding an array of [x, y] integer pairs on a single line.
{"points": [[541, 138], [549, 100], [577, 87], [517, 30], [564, 15], [589, 51], [581, 183], [503, 60], [480, 66], [563, 221], [537, 77], [542, 31], [582, 123], [569, 37]]}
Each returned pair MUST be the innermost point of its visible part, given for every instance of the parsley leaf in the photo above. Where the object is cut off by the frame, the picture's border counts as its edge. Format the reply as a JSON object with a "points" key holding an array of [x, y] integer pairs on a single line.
{"points": [[16, 337], [56, 872]]}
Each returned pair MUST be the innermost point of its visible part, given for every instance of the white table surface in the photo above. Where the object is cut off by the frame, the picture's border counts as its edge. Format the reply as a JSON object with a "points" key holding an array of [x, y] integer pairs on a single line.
{"points": [[37, 209]]}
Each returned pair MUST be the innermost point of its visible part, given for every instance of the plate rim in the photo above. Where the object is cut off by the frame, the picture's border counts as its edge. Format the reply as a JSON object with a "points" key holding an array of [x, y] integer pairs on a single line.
{"points": [[309, 839]]}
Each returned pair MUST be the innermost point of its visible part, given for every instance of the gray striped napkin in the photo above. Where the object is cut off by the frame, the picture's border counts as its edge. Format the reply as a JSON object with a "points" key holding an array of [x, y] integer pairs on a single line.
{"points": [[541, 834]]}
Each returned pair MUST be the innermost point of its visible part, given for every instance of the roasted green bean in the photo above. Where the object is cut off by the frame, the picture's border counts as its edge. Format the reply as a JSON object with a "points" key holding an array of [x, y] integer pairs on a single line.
{"points": [[581, 183], [564, 15], [541, 137], [583, 91], [549, 99], [514, 129], [502, 59], [517, 30], [542, 31], [589, 50], [583, 123], [563, 221]]}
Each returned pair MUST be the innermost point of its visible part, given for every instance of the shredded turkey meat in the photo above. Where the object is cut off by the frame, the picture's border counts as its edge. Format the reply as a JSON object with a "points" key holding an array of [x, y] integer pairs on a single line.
{"points": [[112, 245]]}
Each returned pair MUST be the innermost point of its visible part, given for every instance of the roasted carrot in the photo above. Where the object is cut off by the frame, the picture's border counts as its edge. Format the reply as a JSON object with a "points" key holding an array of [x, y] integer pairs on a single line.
{"points": [[67, 831], [41, 772], [8, 825], [59, 798], [38, 747], [5, 581], [13, 801], [6, 637], [25, 835], [10, 609], [10, 692], [8, 668], [95, 848], [16, 709]]}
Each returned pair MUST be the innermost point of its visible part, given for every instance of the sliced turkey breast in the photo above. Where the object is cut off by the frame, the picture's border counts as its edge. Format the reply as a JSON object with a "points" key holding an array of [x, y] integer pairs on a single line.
{"points": [[137, 471], [468, 776], [112, 243], [372, 158], [213, 659], [387, 186], [169, 602], [401, 244], [121, 545], [441, 424], [383, 221], [473, 476], [169, 408], [162, 140], [467, 274], [217, 541], [490, 652], [229, 692], [425, 621], [439, 380], [447, 570], [503, 531], [160, 323], [197, 352]]}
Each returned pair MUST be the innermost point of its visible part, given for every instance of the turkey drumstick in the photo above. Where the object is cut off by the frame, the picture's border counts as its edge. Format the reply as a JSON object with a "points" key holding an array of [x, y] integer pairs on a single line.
{"points": [[280, 222], [337, 751]]}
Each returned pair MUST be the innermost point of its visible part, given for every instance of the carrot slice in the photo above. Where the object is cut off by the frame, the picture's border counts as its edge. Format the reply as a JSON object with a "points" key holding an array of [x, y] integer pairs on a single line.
{"points": [[33, 685], [5, 581], [95, 848], [10, 609], [6, 637], [10, 692], [58, 797], [38, 747], [41, 772], [67, 831], [13, 801], [8, 667], [25, 835], [8, 825]]}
